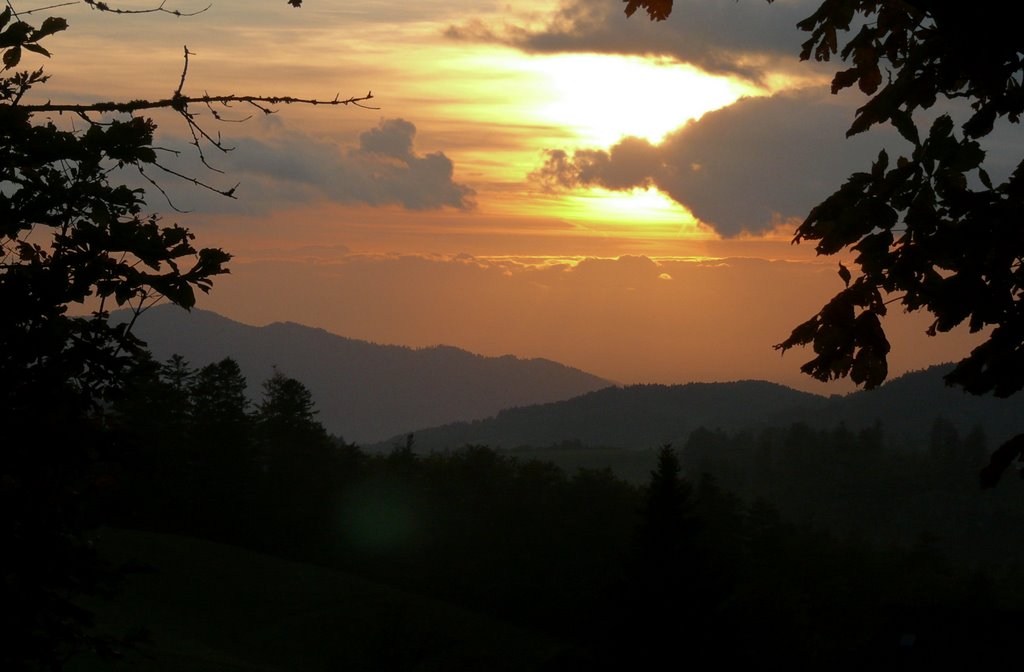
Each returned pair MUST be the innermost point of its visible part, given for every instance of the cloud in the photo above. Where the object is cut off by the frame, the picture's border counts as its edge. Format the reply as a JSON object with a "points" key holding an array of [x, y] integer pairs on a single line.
{"points": [[284, 167], [383, 169], [735, 38], [743, 168]]}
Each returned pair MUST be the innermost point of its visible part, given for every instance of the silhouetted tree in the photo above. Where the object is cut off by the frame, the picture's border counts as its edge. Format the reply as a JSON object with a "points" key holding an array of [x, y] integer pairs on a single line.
{"points": [[930, 229], [220, 409], [71, 232], [150, 421], [287, 415], [299, 458], [661, 608], [220, 447], [67, 234]]}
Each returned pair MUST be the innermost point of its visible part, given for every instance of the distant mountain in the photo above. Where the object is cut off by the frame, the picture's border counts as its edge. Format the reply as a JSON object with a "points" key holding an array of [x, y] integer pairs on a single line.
{"points": [[637, 416], [908, 405], [646, 416], [365, 391]]}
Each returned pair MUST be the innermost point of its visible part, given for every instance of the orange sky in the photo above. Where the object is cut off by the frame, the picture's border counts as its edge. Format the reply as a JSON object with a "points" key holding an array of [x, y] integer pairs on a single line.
{"points": [[547, 179]]}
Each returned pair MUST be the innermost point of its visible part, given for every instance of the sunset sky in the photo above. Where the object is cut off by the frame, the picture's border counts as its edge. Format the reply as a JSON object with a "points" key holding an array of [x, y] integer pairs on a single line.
{"points": [[545, 178]]}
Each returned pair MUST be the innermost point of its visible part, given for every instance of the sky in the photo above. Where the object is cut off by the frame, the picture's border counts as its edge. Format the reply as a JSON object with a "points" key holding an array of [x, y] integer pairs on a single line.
{"points": [[545, 178]]}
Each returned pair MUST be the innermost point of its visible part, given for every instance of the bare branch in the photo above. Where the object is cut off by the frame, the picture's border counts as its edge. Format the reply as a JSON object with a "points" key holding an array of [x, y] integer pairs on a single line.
{"points": [[184, 71], [166, 196], [179, 102], [217, 115], [197, 131], [41, 9], [104, 7], [230, 193]]}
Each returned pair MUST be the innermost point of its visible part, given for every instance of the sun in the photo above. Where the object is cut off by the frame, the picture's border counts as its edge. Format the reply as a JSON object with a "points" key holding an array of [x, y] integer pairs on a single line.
{"points": [[605, 97]]}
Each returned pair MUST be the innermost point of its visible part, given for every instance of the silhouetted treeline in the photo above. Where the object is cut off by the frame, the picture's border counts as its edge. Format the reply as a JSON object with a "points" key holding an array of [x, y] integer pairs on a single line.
{"points": [[853, 485], [829, 553]]}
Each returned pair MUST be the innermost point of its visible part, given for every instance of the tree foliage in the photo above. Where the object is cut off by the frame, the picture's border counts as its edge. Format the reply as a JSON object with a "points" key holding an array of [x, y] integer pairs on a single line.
{"points": [[75, 242], [931, 230]]}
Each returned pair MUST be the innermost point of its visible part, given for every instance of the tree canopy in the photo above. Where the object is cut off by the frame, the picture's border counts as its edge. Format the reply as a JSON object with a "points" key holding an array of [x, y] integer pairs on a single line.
{"points": [[75, 242], [931, 230]]}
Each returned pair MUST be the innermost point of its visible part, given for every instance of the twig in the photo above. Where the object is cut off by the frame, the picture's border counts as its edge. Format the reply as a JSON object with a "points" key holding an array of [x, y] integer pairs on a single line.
{"points": [[40, 9], [230, 193], [104, 7], [167, 197], [184, 71], [179, 102]]}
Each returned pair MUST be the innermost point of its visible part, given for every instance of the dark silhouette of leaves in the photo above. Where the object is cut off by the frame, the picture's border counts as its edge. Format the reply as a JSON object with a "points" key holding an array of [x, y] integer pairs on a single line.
{"points": [[1001, 460], [925, 235], [70, 233], [657, 10]]}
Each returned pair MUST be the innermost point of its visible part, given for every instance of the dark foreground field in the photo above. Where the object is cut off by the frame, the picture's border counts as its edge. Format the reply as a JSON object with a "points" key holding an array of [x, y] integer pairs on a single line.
{"points": [[210, 607]]}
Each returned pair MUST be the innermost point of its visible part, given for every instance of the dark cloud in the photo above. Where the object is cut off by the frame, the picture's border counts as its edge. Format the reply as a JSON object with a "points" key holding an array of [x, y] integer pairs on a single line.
{"points": [[742, 168], [383, 169], [393, 137], [720, 37]]}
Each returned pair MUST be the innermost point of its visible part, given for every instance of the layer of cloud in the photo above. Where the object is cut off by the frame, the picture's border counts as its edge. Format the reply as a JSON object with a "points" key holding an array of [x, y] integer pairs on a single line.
{"points": [[383, 169], [742, 168], [738, 38], [291, 167], [631, 319]]}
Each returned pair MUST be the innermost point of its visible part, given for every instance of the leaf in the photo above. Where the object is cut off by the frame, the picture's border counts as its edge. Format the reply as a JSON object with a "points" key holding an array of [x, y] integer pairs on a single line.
{"points": [[801, 335], [843, 79], [904, 123], [870, 78], [657, 10], [52, 24], [941, 128], [1001, 459], [831, 39], [37, 49], [844, 273], [15, 35], [985, 179], [981, 122], [11, 57], [880, 165]]}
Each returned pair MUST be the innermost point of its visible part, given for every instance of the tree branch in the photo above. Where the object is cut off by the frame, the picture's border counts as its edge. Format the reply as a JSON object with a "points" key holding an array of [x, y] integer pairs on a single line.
{"points": [[184, 73], [179, 102], [104, 7], [41, 9]]}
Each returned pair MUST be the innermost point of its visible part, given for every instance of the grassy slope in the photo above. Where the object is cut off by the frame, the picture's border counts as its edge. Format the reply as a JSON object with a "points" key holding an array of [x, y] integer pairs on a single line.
{"points": [[212, 607]]}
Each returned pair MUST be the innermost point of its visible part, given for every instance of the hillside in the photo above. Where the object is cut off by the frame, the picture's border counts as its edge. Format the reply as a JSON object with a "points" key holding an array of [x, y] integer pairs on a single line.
{"points": [[636, 416], [907, 406], [365, 391], [646, 416]]}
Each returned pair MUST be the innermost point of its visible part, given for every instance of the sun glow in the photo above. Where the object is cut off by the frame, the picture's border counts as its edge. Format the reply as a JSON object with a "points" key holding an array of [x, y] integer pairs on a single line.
{"points": [[643, 213], [603, 98]]}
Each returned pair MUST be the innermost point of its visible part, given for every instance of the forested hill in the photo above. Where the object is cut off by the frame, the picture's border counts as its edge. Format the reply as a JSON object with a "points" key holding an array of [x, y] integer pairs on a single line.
{"points": [[365, 391], [636, 416], [907, 406], [646, 416]]}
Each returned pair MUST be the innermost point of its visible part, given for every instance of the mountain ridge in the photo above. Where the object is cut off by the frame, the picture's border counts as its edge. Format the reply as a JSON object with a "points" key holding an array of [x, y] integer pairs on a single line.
{"points": [[646, 416], [376, 394], [365, 391]]}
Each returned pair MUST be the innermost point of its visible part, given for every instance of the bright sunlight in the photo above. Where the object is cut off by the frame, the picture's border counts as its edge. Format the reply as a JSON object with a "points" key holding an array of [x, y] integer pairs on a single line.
{"points": [[606, 97]]}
